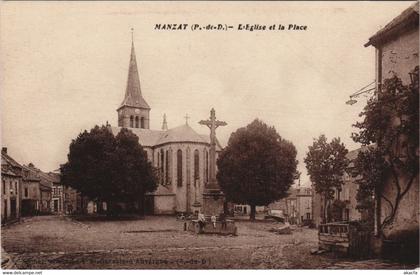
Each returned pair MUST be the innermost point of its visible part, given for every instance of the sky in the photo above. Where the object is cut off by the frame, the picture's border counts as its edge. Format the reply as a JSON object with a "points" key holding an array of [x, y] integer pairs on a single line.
{"points": [[64, 68]]}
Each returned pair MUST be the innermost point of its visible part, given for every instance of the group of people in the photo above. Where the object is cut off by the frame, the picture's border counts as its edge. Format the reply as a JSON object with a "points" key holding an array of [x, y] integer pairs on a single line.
{"points": [[213, 219]]}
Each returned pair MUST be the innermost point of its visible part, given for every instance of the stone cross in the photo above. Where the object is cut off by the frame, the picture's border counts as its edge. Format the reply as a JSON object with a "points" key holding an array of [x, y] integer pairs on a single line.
{"points": [[212, 123], [186, 119]]}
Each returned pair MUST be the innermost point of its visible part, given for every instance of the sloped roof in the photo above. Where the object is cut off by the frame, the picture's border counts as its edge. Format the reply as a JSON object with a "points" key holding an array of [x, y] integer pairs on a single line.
{"points": [[6, 159], [5, 170], [37, 175], [147, 137], [133, 96], [408, 19], [29, 174], [183, 133], [56, 177]]}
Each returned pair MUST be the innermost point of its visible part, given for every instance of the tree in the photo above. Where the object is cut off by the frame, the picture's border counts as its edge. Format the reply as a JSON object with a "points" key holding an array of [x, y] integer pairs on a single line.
{"points": [[370, 173], [133, 174], [107, 168], [391, 124], [326, 164], [257, 167]]}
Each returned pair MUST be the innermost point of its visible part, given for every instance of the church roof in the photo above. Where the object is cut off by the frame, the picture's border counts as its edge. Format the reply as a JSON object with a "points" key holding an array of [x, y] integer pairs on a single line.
{"points": [[183, 133], [147, 137], [133, 96]]}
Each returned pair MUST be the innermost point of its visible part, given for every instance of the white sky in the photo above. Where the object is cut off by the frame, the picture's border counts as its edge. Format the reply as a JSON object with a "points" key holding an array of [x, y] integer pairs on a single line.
{"points": [[64, 68]]}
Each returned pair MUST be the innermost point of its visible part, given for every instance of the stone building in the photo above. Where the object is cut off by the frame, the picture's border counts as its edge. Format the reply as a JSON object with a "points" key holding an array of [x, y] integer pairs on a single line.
{"points": [[180, 154], [39, 186], [11, 176], [397, 54], [31, 193], [304, 204], [297, 206]]}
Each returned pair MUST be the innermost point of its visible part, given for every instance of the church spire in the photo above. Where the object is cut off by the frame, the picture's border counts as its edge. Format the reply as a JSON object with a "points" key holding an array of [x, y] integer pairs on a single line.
{"points": [[134, 112], [164, 123], [133, 96]]}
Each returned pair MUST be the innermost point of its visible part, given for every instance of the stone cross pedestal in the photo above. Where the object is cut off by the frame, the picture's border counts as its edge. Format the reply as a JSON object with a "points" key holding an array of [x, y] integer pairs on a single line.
{"points": [[213, 197]]}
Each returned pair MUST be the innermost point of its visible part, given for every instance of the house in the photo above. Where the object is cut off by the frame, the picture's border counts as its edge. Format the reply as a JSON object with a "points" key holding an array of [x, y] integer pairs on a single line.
{"points": [[304, 204], [296, 207], [11, 176], [397, 54], [31, 194], [39, 186]]}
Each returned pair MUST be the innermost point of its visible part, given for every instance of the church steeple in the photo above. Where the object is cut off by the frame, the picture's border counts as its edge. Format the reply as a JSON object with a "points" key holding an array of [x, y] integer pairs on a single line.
{"points": [[134, 110], [164, 123]]}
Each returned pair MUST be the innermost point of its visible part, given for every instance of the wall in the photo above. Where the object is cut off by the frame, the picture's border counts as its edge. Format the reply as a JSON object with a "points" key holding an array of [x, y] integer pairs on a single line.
{"points": [[304, 207], [9, 193], [187, 173], [164, 204], [400, 56]]}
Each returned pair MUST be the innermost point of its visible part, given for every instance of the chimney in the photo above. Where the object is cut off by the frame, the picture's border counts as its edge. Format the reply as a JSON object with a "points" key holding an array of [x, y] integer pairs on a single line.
{"points": [[4, 150]]}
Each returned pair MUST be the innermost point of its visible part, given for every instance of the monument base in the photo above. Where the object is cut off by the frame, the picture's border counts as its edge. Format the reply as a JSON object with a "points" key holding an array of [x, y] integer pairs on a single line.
{"points": [[228, 229], [213, 200]]}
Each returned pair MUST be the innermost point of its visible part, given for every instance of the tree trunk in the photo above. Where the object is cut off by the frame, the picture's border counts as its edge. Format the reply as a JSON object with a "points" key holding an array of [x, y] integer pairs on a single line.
{"points": [[252, 214]]}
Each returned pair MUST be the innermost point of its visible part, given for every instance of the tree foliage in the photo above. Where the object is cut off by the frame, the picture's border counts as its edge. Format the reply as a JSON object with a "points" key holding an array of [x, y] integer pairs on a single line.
{"points": [[391, 123], [257, 167], [326, 163], [107, 168]]}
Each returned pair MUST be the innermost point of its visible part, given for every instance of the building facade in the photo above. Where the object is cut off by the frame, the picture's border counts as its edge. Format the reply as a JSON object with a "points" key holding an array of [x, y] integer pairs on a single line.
{"points": [[11, 176], [397, 54]]}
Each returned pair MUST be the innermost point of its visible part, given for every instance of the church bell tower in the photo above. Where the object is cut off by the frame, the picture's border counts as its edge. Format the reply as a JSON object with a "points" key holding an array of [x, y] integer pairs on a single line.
{"points": [[134, 110]]}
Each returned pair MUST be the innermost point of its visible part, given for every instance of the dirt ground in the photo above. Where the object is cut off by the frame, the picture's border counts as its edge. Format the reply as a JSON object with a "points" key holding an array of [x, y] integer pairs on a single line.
{"points": [[57, 242]]}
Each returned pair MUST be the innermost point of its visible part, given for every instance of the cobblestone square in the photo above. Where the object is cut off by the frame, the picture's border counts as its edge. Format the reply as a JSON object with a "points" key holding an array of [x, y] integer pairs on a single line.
{"points": [[58, 242]]}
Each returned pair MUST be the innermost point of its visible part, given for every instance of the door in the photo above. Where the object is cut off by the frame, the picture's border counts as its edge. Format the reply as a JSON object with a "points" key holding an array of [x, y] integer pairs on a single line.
{"points": [[13, 208], [55, 205]]}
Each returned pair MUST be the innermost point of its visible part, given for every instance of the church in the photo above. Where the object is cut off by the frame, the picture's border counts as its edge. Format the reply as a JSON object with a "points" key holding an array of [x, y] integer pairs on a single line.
{"points": [[180, 154]]}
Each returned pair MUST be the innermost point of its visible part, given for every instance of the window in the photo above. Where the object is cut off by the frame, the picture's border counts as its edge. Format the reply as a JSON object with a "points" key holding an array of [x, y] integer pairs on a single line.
{"points": [[167, 167], [179, 167], [4, 187], [131, 121], [137, 122], [162, 163], [207, 166], [196, 166], [16, 186], [142, 123], [26, 192]]}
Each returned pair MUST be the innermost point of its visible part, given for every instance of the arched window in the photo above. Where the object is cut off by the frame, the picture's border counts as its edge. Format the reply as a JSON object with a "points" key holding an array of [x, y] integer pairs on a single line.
{"points": [[207, 166], [179, 167], [142, 122], [162, 163], [137, 122], [196, 166], [131, 121], [167, 167]]}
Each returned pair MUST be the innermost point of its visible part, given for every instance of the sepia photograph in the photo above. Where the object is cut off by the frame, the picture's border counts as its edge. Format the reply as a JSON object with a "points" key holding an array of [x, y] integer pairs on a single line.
{"points": [[201, 135]]}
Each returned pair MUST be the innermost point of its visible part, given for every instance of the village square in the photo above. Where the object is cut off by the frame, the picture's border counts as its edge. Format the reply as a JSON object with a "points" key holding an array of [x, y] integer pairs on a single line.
{"points": [[233, 185]]}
